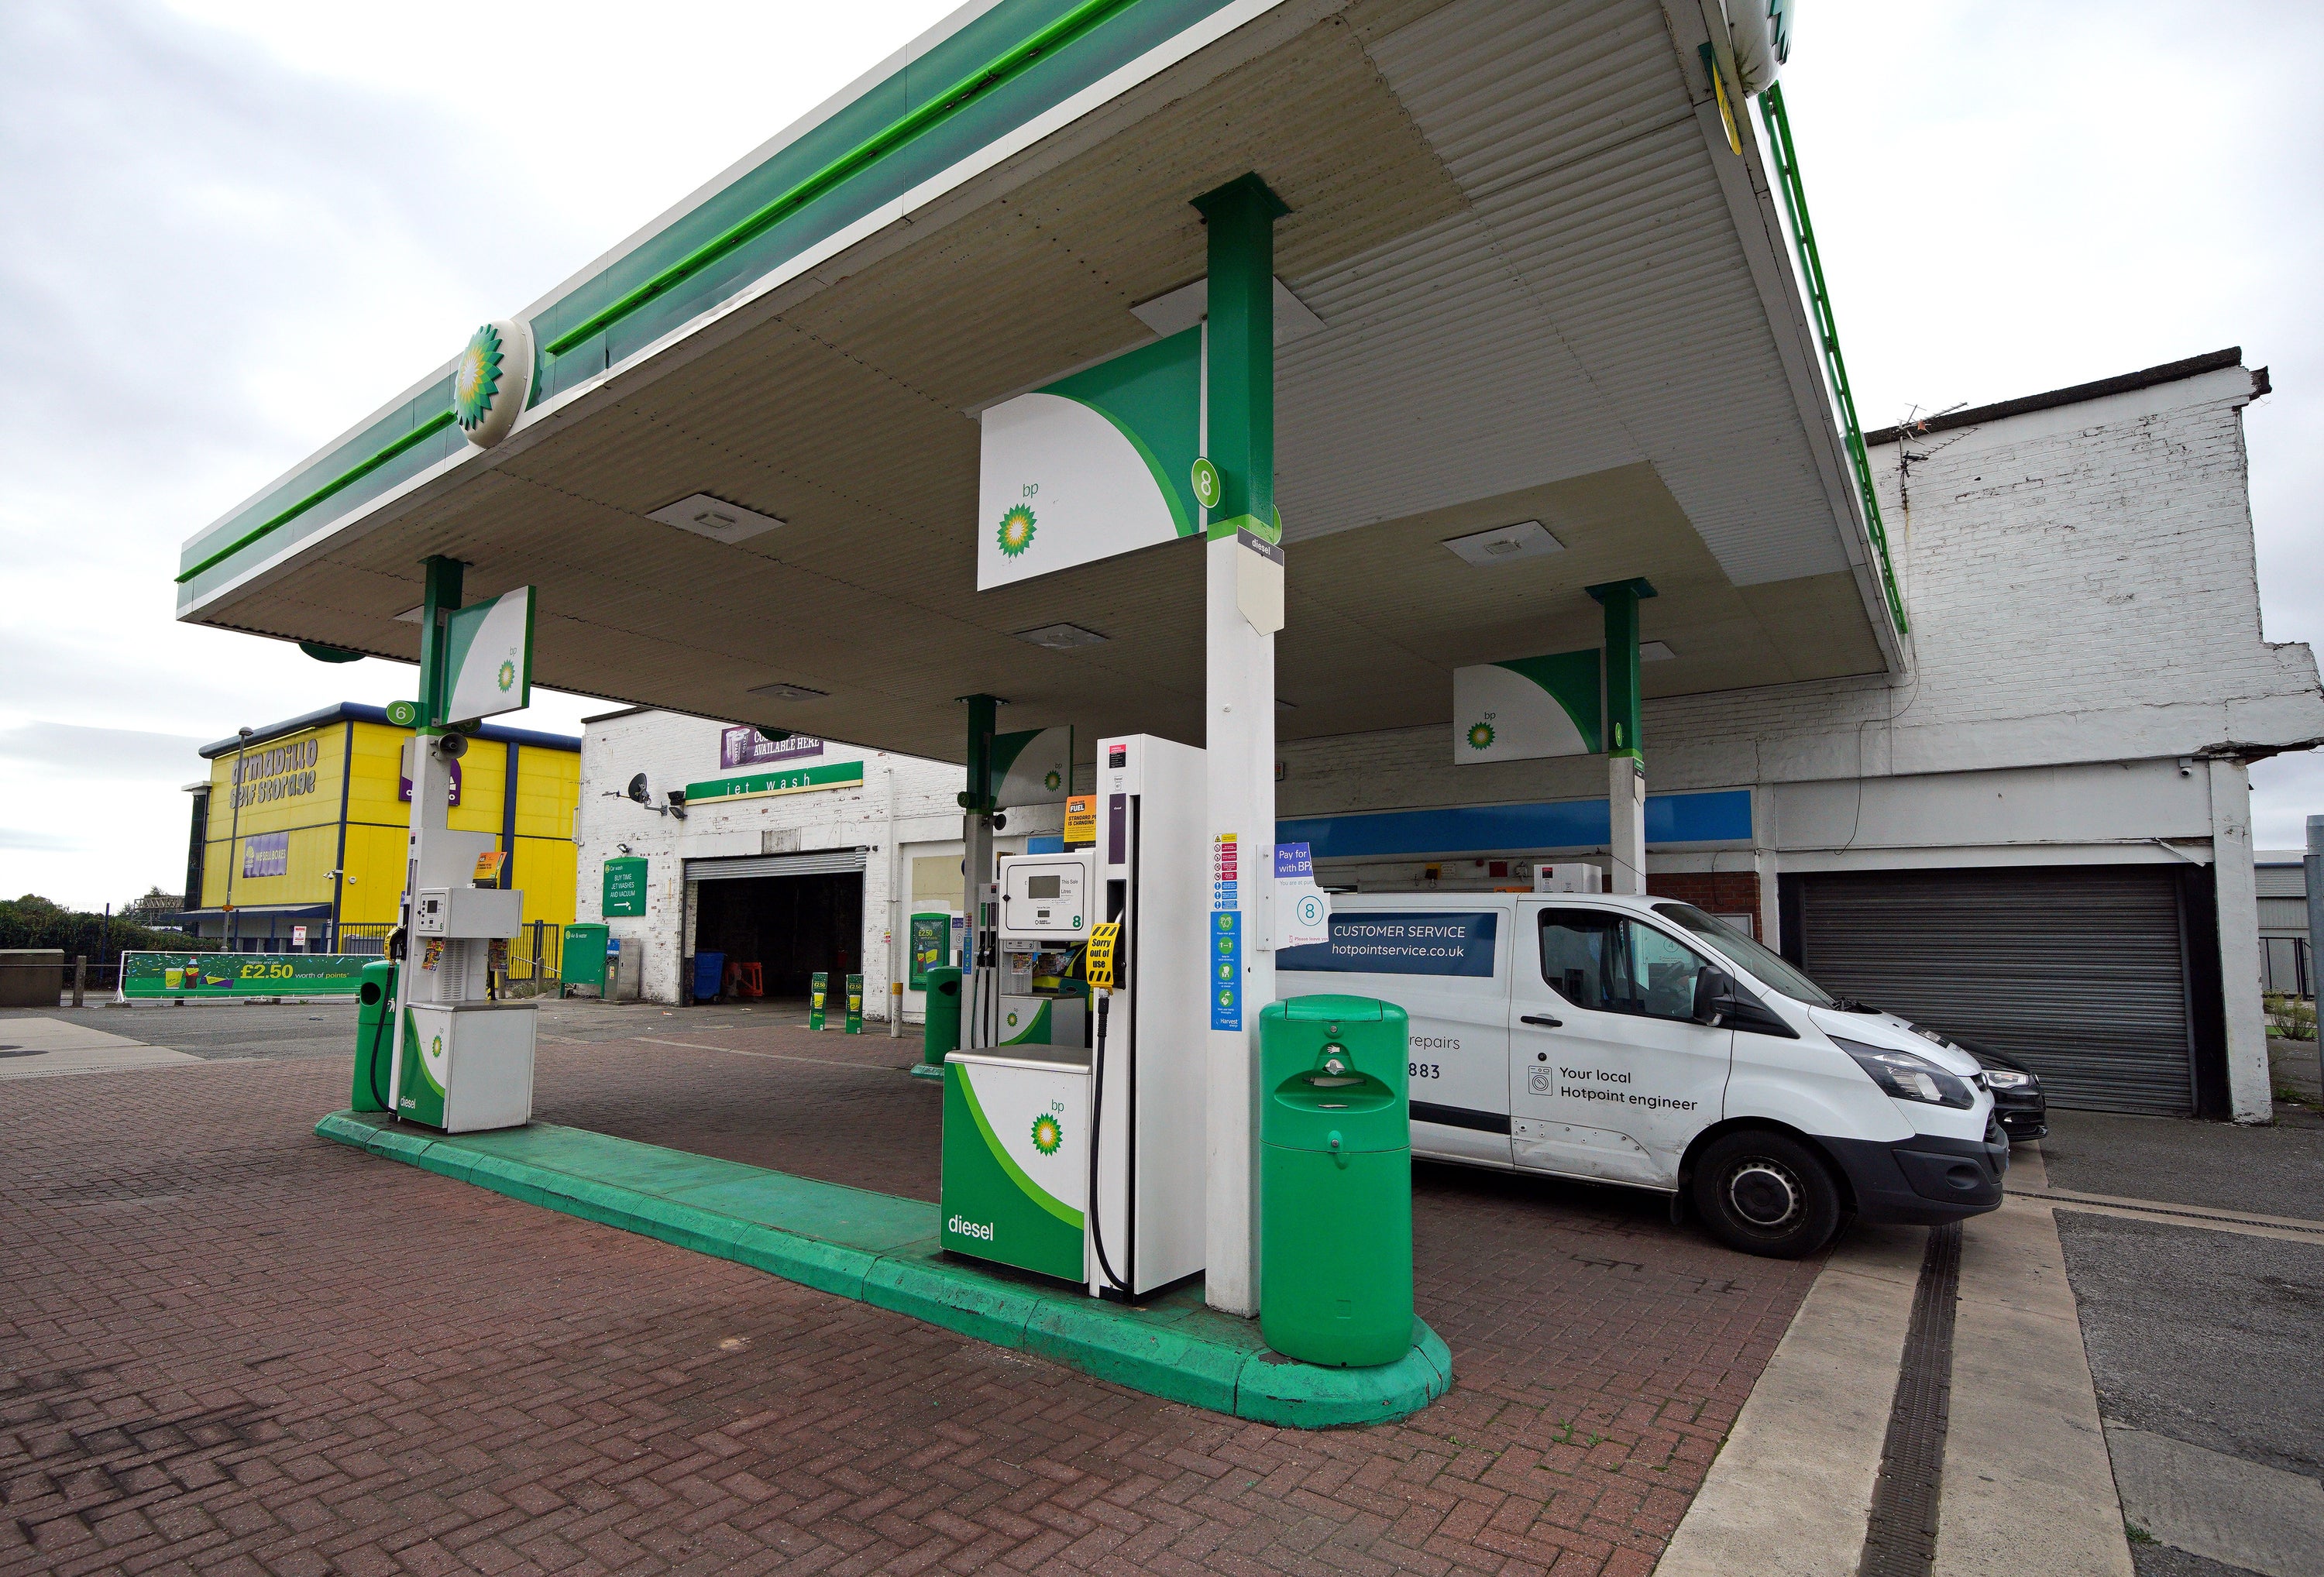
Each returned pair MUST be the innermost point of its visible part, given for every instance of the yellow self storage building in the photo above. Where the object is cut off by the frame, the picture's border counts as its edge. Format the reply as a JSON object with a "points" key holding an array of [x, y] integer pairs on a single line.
{"points": [[299, 831]]}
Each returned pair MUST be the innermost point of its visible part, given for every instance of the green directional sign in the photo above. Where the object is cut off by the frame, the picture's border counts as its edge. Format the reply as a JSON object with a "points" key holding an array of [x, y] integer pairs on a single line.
{"points": [[625, 889]]}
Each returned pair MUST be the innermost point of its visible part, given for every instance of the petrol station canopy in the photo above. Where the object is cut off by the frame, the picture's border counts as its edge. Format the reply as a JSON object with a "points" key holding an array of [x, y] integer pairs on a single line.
{"points": [[1529, 281]]}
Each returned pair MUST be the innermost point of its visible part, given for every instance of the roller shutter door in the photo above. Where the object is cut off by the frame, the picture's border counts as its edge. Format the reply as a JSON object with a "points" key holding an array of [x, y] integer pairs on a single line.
{"points": [[2079, 972], [820, 862]]}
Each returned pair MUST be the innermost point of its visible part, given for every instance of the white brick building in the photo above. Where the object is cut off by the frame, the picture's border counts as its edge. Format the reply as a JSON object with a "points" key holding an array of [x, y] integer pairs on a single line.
{"points": [[815, 878], [2065, 754]]}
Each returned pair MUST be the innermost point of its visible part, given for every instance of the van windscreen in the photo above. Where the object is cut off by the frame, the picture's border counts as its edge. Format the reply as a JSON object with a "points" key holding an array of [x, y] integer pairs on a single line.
{"points": [[1749, 953]]}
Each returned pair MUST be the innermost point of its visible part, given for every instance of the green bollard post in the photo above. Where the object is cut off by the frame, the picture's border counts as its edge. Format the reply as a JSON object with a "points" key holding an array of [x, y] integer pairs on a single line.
{"points": [[374, 1022]]}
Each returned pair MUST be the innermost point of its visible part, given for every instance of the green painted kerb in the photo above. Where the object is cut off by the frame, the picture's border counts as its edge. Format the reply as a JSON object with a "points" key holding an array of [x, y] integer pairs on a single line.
{"points": [[880, 1250]]}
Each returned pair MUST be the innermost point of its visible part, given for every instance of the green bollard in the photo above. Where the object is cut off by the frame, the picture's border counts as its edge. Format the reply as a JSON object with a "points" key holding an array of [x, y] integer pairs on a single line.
{"points": [[940, 1022], [374, 1022], [1335, 1181]]}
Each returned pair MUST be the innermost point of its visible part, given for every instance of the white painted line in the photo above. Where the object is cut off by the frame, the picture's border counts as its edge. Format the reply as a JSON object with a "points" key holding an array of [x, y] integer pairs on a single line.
{"points": [[1791, 1488], [2027, 1485]]}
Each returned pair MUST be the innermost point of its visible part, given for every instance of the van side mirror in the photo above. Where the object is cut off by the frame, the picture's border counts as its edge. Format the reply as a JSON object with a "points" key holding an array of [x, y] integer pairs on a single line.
{"points": [[1714, 996]]}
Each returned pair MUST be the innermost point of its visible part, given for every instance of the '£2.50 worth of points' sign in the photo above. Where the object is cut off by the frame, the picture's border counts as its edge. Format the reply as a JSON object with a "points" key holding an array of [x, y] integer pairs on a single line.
{"points": [[1094, 465]]}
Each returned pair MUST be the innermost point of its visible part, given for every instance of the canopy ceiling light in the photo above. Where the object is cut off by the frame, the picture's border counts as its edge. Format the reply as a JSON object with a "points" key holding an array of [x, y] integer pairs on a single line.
{"points": [[1061, 636], [1506, 544], [788, 692], [714, 518]]}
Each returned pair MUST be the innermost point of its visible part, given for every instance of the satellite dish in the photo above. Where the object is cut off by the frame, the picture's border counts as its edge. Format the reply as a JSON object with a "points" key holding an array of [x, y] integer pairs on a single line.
{"points": [[638, 789]]}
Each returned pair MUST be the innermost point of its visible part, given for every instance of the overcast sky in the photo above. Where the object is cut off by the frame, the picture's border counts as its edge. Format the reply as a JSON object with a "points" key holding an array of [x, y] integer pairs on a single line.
{"points": [[234, 228]]}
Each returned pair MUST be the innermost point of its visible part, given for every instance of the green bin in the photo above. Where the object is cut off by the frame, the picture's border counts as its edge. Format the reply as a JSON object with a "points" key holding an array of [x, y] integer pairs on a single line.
{"points": [[940, 1018], [581, 958], [374, 1022], [1335, 1181]]}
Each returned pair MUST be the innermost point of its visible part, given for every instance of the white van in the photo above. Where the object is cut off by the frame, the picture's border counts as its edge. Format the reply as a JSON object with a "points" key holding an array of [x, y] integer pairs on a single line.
{"points": [[1641, 1042]]}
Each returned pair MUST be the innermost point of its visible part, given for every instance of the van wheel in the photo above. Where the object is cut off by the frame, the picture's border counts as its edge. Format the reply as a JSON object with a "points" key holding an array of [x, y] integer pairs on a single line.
{"points": [[1764, 1193]]}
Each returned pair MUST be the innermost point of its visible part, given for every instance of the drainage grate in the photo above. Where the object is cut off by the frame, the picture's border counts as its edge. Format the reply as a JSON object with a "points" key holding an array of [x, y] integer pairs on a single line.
{"points": [[1901, 1538]]}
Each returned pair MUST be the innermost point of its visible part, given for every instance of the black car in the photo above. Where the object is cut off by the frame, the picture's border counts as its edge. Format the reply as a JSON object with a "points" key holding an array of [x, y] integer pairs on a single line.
{"points": [[2017, 1100]]}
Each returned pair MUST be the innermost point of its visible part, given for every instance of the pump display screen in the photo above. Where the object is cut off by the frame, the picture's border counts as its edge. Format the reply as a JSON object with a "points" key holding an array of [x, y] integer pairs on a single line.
{"points": [[1042, 885]]}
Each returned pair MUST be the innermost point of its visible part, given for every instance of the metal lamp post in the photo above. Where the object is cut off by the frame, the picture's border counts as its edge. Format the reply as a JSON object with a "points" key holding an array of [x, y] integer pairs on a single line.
{"points": [[233, 845]]}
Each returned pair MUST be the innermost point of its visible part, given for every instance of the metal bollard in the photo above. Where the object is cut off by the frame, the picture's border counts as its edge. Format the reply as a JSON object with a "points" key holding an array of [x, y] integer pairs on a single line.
{"points": [[895, 1008], [80, 976]]}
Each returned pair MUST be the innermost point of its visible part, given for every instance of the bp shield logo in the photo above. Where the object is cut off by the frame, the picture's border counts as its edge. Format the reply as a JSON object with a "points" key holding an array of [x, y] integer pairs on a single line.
{"points": [[506, 676], [1480, 736], [1053, 782], [1047, 1135], [478, 379]]}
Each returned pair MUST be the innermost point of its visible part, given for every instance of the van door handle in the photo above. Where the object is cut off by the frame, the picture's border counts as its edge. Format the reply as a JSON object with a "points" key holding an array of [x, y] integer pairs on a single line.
{"points": [[1544, 1021]]}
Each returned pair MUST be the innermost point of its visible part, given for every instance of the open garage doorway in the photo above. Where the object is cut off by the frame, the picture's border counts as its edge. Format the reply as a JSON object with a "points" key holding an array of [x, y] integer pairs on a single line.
{"points": [[787, 923]]}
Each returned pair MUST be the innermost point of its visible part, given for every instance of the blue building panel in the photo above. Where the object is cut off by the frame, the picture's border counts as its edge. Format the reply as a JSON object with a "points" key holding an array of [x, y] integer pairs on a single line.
{"points": [[1719, 817]]}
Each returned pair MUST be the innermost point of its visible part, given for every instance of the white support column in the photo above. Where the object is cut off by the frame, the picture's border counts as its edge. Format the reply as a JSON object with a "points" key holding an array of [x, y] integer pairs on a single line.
{"points": [[1625, 805], [1240, 758], [1243, 610], [2250, 1084]]}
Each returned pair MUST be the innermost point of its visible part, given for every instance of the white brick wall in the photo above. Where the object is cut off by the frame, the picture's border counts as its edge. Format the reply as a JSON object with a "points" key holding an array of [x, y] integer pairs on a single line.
{"points": [[673, 751], [2081, 586]]}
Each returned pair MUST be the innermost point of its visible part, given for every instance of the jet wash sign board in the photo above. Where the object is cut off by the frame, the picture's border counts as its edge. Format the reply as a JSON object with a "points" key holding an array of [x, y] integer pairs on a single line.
{"points": [[1096, 464]]}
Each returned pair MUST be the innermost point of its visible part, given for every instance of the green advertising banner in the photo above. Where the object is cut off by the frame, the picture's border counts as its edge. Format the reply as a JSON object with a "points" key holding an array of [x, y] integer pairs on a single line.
{"points": [[165, 976], [931, 945], [855, 1025], [818, 990], [625, 887]]}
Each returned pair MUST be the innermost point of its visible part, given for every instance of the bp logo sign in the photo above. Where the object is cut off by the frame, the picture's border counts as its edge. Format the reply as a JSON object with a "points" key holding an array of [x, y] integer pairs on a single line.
{"points": [[506, 676], [1480, 736], [1047, 1135], [436, 1046], [1016, 531], [1053, 782], [478, 378], [492, 380]]}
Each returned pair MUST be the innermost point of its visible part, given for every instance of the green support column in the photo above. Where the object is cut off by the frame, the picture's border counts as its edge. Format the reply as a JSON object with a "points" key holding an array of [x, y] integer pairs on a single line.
{"points": [[1240, 443], [1243, 610], [441, 597], [1626, 762]]}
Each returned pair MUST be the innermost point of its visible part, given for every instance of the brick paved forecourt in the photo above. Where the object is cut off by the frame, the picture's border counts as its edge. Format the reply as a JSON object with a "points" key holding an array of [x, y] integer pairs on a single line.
{"points": [[229, 1346]]}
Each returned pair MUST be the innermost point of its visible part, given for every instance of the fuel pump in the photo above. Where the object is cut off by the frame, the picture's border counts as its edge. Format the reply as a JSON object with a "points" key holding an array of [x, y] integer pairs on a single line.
{"points": [[1092, 1139], [463, 1061]]}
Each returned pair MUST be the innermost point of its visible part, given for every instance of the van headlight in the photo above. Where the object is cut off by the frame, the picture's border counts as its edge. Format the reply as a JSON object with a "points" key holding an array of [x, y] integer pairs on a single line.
{"points": [[1909, 1076]]}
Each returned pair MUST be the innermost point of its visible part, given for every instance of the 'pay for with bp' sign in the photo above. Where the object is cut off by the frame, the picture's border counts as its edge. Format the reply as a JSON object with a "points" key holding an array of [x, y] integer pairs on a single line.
{"points": [[1303, 910]]}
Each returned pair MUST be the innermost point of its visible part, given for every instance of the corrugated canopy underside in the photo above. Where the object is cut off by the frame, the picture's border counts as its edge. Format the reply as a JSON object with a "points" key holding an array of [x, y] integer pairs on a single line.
{"points": [[1537, 306]]}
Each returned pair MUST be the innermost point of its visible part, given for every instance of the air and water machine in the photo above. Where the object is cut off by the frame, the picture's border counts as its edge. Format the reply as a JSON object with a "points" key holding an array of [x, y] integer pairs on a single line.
{"points": [[1080, 1154], [463, 1062]]}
